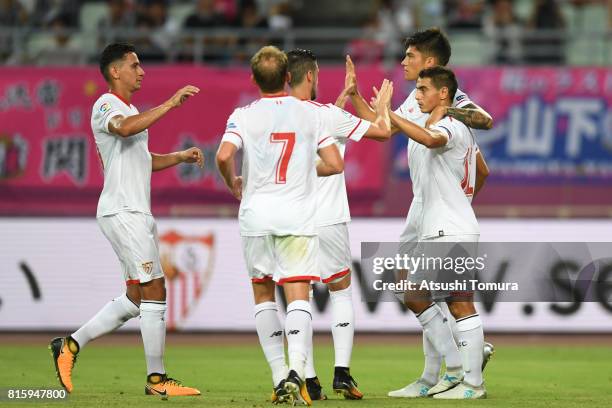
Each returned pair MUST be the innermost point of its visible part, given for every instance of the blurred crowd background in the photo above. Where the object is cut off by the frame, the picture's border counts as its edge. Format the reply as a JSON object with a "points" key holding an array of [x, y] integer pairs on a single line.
{"points": [[226, 32]]}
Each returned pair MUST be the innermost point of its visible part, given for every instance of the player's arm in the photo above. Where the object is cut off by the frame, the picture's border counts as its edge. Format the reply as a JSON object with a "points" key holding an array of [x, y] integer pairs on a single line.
{"points": [[126, 126], [431, 138], [226, 164], [472, 116], [163, 161], [482, 172], [362, 108], [331, 162]]}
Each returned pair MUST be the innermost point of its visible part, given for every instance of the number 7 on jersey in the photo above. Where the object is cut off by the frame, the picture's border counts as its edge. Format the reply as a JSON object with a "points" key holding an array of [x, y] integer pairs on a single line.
{"points": [[288, 141]]}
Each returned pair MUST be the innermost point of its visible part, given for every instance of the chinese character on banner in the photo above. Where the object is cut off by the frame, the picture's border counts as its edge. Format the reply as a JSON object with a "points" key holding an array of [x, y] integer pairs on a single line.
{"points": [[68, 155]]}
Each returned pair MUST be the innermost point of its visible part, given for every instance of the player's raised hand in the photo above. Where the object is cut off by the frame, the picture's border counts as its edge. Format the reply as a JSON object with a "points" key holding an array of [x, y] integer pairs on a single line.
{"points": [[385, 94], [192, 155], [237, 188], [182, 95], [350, 79]]}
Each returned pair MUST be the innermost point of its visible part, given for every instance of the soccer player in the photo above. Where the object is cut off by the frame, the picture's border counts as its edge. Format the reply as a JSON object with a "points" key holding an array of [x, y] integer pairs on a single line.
{"points": [[124, 216], [281, 137], [447, 187], [332, 218], [425, 49]]}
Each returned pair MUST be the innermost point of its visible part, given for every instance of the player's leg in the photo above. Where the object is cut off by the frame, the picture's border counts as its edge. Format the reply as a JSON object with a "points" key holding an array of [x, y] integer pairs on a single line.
{"points": [[471, 344], [335, 268], [432, 358], [437, 330], [139, 237], [296, 258], [259, 259], [298, 329], [343, 331], [470, 335], [112, 316], [313, 385]]}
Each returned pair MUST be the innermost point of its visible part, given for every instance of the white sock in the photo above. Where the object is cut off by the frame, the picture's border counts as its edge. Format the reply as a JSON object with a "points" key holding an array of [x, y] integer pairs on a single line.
{"points": [[471, 340], [433, 362], [343, 325], [112, 316], [451, 320], [153, 330], [270, 334], [310, 368], [436, 328], [310, 371], [298, 329]]}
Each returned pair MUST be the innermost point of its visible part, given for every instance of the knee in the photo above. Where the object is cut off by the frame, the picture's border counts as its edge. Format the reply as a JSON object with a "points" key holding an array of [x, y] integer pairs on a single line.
{"points": [[154, 290], [461, 309]]}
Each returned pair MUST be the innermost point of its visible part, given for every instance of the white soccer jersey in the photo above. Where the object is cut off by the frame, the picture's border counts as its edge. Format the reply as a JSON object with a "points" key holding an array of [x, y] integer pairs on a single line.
{"points": [[448, 177], [280, 137], [332, 202], [126, 160], [410, 110]]}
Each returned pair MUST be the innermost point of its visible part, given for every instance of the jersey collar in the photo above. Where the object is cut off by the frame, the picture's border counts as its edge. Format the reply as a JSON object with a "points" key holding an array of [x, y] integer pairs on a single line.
{"points": [[274, 95], [129, 105]]}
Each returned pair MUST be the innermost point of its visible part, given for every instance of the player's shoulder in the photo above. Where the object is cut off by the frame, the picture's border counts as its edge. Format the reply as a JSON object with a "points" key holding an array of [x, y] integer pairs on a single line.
{"points": [[316, 106], [460, 98], [450, 123], [105, 103]]}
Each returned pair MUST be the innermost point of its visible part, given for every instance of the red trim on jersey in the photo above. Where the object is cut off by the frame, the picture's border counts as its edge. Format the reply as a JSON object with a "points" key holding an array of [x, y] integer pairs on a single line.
{"points": [[261, 280], [321, 141], [337, 275], [299, 279], [317, 104], [129, 105], [132, 282], [353, 131], [237, 134], [275, 95]]}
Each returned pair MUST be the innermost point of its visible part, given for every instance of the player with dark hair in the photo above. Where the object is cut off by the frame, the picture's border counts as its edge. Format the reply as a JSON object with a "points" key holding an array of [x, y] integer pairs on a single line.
{"points": [[124, 216], [425, 49], [447, 187], [281, 138], [333, 217]]}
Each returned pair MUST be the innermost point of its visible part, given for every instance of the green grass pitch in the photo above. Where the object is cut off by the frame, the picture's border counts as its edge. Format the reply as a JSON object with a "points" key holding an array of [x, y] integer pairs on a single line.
{"points": [[237, 376]]}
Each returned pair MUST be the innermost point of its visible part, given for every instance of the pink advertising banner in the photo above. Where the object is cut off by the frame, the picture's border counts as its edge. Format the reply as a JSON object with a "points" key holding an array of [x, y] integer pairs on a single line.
{"points": [[48, 159], [550, 150]]}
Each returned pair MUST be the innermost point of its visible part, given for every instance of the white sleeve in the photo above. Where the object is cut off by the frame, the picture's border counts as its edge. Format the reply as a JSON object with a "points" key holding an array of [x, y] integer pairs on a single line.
{"points": [[461, 99], [105, 109], [233, 132], [448, 128], [347, 126]]}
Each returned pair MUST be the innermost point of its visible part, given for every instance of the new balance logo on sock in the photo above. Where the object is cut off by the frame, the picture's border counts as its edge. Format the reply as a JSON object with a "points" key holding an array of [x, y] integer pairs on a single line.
{"points": [[277, 333], [342, 324], [293, 332]]}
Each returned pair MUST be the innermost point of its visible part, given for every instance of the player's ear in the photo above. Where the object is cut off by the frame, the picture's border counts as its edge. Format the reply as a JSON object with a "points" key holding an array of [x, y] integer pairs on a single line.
{"points": [[288, 77], [444, 93], [253, 80], [114, 71], [430, 62]]}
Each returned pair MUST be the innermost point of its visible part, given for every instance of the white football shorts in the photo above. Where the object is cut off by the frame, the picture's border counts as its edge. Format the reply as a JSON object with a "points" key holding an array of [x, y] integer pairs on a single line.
{"points": [[133, 236], [286, 258], [334, 252]]}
